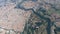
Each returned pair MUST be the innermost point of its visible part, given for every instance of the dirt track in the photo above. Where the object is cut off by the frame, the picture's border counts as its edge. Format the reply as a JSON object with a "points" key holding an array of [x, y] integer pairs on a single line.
{"points": [[11, 18]]}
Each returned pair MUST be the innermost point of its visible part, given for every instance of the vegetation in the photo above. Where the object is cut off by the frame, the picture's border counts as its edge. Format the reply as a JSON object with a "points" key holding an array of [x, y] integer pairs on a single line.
{"points": [[41, 21]]}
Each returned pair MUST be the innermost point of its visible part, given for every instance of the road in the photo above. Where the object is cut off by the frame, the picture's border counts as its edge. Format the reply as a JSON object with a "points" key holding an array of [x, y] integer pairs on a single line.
{"points": [[13, 18]]}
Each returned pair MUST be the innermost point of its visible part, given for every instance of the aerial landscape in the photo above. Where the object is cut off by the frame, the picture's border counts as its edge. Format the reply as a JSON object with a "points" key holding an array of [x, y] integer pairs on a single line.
{"points": [[29, 16]]}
